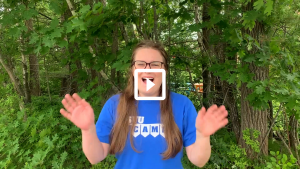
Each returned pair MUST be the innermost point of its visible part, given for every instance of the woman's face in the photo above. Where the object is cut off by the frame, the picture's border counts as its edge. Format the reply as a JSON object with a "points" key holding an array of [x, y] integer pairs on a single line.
{"points": [[148, 55]]}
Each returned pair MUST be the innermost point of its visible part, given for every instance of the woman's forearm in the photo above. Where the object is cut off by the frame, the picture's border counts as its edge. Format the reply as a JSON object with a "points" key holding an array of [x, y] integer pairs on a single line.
{"points": [[92, 146], [201, 150]]}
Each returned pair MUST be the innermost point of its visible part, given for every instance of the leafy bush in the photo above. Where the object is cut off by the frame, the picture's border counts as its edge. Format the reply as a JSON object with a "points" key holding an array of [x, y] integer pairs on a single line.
{"points": [[44, 139]]}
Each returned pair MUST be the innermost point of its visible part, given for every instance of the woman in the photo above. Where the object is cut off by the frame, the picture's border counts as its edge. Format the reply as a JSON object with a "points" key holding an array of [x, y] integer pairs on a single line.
{"points": [[161, 128]]}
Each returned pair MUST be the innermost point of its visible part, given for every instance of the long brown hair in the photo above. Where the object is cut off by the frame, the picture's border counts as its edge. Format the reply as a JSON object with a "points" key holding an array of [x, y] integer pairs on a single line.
{"points": [[128, 108]]}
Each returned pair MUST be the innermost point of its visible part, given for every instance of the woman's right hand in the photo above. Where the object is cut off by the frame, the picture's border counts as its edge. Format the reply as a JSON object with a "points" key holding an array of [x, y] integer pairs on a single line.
{"points": [[78, 111]]}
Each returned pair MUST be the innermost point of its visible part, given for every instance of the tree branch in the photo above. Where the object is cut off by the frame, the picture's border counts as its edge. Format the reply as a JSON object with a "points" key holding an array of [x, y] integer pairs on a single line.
{"points": [[45, 16]]}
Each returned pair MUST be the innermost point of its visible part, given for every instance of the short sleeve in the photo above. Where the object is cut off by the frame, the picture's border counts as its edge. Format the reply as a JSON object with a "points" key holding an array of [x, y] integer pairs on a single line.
{"points": [[105, 122], [189, 121]]}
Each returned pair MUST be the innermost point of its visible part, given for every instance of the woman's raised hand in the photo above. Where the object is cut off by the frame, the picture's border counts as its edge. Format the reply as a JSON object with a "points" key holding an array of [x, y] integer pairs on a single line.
{"points": [[78, 111]]}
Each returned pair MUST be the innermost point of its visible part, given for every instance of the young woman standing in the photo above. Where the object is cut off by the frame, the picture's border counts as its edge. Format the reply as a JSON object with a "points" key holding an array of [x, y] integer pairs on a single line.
{"points": [[146, 133]]}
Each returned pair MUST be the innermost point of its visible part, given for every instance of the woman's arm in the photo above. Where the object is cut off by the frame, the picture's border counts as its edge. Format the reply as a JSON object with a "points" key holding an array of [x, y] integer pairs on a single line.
{"points": [[207, 123], [199, 152], [94, 150]]}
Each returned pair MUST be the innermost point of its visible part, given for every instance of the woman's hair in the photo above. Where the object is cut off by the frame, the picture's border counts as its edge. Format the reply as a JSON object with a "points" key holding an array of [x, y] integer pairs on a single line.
{"points": [[128, 108]]}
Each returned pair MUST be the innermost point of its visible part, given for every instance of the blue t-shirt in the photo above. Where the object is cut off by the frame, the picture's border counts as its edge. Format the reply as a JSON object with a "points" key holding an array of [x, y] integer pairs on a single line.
{"points": [[149, 135]]}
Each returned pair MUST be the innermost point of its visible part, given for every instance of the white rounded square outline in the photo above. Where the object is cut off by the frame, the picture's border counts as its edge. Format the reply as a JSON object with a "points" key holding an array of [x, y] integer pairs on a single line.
{"points": [[163, 97]]}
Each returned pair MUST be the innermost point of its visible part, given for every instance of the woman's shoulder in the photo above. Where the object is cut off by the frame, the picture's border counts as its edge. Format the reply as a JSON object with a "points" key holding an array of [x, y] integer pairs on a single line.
{"points": [[114, 98]]}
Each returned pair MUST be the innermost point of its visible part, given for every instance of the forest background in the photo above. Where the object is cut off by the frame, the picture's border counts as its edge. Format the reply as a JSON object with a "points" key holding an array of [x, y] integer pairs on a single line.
{"points": [[245, 53]]}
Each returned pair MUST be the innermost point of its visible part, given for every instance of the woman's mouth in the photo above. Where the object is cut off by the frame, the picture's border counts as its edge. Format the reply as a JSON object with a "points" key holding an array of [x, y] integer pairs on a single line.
{"points": [[144, 79]]}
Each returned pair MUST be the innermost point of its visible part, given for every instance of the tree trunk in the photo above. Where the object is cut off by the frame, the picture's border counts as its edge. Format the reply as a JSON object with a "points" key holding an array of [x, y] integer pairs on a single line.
{"points": [[25, 80], [251, 118], [124, 33], [13, 78], [205, 54], [131, 32], [271, 113], [47, 79], [155, 21], [114, 51], [229, 92], [293, 133], [34, 75], [231, 103], [141, 27]]}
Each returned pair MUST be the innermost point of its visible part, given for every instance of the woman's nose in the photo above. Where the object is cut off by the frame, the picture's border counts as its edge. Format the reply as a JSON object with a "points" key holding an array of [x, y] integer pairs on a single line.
{"points": [[147, 66]]}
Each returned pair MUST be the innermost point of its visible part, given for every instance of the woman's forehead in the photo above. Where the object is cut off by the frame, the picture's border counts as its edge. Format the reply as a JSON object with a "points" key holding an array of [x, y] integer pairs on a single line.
{"points": [[148, 55]]}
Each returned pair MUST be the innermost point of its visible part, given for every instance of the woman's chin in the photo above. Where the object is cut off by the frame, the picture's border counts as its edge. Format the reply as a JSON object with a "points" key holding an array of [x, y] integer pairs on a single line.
{"points": [[147, 94]]}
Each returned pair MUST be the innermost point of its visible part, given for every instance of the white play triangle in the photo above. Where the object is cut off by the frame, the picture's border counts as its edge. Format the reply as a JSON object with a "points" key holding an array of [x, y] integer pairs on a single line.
{"points": [[149, 84]]}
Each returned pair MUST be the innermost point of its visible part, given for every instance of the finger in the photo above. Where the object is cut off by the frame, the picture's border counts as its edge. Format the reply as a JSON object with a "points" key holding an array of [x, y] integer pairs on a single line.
{"points": [[223, 123], [66, 105], [65, 114], [70, 100], [211, 110], [222, 108], [72, 103], [201, 113], [221, 115], [77, 98]]}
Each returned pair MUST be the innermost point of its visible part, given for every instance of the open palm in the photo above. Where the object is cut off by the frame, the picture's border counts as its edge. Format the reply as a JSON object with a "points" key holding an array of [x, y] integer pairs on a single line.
{"points": [[78, 111], [210, 121]]}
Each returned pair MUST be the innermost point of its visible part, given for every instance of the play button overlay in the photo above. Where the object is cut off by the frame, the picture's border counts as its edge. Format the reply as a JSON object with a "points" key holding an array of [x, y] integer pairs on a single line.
{"points": [[149, 84]]}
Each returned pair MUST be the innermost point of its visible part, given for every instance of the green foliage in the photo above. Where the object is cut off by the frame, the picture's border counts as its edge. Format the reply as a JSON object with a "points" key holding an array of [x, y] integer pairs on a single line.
{"points": [[280, 161], [41, 139], [250, 136], [46, 140]]}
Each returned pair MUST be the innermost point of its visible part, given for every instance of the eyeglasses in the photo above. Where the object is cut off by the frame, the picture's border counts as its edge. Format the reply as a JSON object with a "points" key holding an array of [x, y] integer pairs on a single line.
{"points": [[142, 65]]}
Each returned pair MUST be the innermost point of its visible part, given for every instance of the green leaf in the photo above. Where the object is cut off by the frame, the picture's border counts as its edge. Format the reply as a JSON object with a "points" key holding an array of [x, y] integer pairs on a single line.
{"points": [[244, 77], [291, 102], [15, 32], [63, 157], [232, 79], [64, 127], [68, 26], [79, 23], [27, 14], [54, 23], [44, 50], [55, 6], [48, 42], [284, 158], [259, 89], [34, 38], [73, 37], [57, 33], [272, 153], [84, 9], [33, 132], [43, 133], [96, 6], [37, 50], [290, 77], [258, 4], [195, 27], [273, 159], [62, 43], [269, 7]]}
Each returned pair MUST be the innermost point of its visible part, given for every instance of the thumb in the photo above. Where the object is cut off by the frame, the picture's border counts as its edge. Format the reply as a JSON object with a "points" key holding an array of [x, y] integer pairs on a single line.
{"points": [[201, 113]]}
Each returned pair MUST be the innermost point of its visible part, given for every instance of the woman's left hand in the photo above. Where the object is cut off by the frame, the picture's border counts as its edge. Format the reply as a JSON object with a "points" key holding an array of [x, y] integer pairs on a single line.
{"points": [[210, 121]]}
